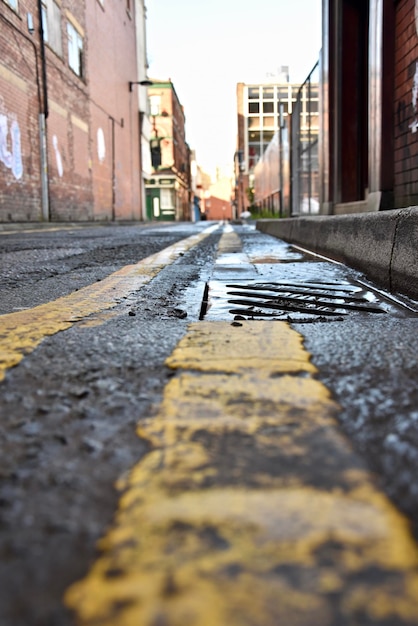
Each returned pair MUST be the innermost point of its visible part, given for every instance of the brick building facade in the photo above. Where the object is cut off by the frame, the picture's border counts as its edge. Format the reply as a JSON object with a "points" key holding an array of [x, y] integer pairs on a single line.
{"points": [[168, 189], [261, 109], [69, 124]]}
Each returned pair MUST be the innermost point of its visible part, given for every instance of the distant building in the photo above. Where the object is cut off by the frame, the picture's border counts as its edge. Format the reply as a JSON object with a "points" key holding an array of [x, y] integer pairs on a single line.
{"points": [[200, 185], [70, 132], [260, 108], [168, 189], [218, 203]]}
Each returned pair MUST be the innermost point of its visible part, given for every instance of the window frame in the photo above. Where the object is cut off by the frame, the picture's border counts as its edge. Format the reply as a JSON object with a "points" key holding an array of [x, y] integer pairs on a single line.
{"points": [[13, 5], [154, 105], [52, 25], [75, 50], [44, 18]]}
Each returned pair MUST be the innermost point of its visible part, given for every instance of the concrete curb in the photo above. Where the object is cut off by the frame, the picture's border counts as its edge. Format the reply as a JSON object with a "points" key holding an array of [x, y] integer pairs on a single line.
{"points": [[384, 246]]}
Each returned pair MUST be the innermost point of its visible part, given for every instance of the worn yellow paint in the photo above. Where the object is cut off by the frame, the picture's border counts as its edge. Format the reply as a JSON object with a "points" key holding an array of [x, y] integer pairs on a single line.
{"points": [[229, 242], [230, 521], [269, 347], [22, 332]]}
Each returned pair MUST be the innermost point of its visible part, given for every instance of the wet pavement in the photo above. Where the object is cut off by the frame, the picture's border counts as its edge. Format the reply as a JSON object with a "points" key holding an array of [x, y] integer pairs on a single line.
{"points": [[256, 491]]}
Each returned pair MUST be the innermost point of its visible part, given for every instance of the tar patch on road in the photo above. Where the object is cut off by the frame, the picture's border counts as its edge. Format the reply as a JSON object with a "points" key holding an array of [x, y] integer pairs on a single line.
{"points": [[250, 508]]}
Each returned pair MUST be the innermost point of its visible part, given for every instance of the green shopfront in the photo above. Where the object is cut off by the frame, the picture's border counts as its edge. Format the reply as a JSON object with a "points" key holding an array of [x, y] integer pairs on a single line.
{"points": [[161, 199]]}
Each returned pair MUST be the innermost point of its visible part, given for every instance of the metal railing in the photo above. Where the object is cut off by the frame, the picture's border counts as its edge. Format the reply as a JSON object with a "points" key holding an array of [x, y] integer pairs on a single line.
{"points": [[304, 142]]}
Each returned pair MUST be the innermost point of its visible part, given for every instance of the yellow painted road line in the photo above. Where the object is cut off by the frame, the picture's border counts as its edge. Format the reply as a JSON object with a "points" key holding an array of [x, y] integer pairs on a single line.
{"points": [[251, 508], [22, 332]]}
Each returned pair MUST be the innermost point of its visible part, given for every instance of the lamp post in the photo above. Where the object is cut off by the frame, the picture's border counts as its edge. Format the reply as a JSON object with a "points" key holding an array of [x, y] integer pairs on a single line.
{"points": [[144, 83]]}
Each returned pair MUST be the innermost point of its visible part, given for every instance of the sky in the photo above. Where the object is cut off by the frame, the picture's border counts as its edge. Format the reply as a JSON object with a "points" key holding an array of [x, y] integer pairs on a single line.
{"points": [[206, 47]]}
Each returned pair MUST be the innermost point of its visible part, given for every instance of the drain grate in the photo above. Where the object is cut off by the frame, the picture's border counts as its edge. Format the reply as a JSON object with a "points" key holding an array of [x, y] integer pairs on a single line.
{"points": [[295, 301]]}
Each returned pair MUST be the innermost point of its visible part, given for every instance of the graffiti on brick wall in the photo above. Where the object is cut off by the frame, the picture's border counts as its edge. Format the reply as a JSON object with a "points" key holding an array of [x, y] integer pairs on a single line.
{"points": [[101, 146], [58, 158], [414, 125], [10, 145]]}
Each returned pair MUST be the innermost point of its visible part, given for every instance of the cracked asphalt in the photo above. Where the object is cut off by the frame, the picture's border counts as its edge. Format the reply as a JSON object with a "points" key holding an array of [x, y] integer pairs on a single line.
{"points": [[70, 409]]}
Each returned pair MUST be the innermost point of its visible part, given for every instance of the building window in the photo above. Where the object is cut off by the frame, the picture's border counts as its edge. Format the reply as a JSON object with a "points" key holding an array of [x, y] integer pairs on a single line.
{"points": [[253, 93], [268, 107], [253, 155], [313, 106], [283, 93], [75, 50], [254, 136], [254, 122], [12, 4], [44, 17], [51, 25], [268, 121], [167, 199], [155, 105], [253, 107]]}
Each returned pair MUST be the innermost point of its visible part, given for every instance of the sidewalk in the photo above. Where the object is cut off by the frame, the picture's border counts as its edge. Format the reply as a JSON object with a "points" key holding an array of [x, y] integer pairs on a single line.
{"points": [[382, 245]]}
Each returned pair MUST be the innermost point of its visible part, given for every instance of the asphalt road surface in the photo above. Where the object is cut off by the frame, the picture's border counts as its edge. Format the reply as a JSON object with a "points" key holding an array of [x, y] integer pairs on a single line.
{"points": [[89, 316]]}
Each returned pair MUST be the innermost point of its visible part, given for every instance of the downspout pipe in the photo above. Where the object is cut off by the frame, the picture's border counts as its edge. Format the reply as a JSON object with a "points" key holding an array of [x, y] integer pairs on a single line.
{"points": [[43, 115]]}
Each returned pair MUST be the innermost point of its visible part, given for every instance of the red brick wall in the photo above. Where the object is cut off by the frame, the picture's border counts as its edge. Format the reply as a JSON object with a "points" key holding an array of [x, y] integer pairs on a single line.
{"points": [[218, 209], [101, 163], [170, 126], [20, 186], [406, 105], [218, 205], [114, 110], [85, 180], [70, 181]]}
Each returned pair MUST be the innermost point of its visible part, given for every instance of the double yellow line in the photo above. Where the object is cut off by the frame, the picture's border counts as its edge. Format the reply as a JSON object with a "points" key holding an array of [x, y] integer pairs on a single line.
{"points": [[251, 507], [23, 331]]}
